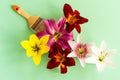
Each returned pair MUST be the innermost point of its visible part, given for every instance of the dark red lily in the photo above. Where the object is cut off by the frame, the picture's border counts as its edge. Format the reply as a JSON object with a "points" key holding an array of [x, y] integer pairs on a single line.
{"points": [[73, 19], [59, 58]]}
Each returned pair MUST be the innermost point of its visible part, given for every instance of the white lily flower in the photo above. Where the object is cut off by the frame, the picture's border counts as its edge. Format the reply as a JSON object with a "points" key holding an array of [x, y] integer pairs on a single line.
{"points": [[101, 56]]}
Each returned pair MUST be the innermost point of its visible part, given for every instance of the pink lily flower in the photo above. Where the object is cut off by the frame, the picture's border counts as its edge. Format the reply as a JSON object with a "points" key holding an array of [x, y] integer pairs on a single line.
{"points": [[80, 50], [56, 32]]}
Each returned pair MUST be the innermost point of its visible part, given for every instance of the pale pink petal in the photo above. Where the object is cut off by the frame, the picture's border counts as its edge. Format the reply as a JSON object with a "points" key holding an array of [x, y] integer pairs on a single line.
{"points": [[100, 66], [72, 44], [103, 46], [90, 44], [79, 39], [91, 60], [72, 54], [82, 61]]}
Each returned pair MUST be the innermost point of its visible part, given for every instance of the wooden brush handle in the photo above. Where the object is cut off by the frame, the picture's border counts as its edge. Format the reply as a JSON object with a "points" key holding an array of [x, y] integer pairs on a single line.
{"points": [[20, 11]]}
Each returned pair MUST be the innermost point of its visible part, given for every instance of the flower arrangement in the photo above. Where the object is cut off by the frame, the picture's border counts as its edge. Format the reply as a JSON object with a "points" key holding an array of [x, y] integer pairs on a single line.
{"points": [[57, 40]]}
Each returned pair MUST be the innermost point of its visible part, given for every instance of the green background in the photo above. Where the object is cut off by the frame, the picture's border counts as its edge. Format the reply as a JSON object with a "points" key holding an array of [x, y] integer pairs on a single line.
{"points": [[104, 24]]}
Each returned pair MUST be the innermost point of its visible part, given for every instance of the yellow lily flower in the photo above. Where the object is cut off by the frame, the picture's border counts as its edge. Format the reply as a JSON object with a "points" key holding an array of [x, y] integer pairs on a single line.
{"points": [[35, 47]]}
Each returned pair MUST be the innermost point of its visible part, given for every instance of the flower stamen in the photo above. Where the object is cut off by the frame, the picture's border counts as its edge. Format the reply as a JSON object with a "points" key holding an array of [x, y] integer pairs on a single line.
{"points": [[60, 58], [72, 19], [102, 56], [81, 50], [35, 48], [56, 35]]}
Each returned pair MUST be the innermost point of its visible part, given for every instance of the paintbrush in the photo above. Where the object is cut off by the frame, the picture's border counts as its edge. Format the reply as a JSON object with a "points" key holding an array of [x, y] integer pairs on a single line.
{"points": [[35, 22]]}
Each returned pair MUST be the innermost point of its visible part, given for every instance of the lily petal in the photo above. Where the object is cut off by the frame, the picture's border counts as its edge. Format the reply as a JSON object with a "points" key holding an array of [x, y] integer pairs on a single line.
{"points": [[69, 62], [44, 40], [61, 23], [44, 49], [79, 39], [109, 63], [29, 52], [63, 69], [72, 54], [66, 52], [81, 20], [49, 28], [100, 66], [103, 46], [72, 44], [33, 40], [50, 41], [69, 27], [40, 34], [54, 48], [95, 50], [63, 43], [67, 10], [25, 44], [76, 12], [67, 36], [112, 52], [59, 48], [37, 59], [54, 25], [78, 28], [51, 54], [52, 64], [89, 45], [91, 60], [82, 61]]}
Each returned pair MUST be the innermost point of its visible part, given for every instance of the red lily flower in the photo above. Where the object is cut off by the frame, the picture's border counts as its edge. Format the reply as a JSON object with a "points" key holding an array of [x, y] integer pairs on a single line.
{"points": [[73, 19], [59, 58]]}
